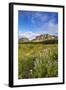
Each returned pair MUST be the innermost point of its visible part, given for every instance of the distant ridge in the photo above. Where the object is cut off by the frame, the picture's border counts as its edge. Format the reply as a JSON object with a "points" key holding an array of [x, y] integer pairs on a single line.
{"points": [[23, 39]]}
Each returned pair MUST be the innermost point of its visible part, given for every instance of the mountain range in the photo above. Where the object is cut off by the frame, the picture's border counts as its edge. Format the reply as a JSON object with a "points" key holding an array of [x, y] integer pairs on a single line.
{"points": [[39, 38]]}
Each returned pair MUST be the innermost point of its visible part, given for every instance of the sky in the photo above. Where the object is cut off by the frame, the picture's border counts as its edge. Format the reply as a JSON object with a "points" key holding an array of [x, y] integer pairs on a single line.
{"points": [[34, 23]]}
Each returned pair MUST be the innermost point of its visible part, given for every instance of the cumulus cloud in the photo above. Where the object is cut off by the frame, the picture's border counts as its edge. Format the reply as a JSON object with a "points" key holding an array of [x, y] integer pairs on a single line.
{"points": [[30, 35]]}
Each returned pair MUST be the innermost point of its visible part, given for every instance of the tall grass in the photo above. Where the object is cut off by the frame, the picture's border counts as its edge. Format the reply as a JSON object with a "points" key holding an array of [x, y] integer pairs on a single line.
{"points": [[37, 60]]}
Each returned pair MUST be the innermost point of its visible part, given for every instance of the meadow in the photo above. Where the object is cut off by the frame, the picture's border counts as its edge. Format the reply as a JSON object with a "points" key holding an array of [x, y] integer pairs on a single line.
{"points": [[37, 60]]}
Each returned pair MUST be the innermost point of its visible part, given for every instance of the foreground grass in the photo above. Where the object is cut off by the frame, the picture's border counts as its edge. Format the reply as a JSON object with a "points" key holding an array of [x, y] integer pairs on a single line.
{"points": [[37, 60]]}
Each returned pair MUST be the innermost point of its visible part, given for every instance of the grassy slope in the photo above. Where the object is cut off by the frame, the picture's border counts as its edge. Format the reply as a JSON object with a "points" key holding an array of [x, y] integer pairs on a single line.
{"points": [[37, 60]]}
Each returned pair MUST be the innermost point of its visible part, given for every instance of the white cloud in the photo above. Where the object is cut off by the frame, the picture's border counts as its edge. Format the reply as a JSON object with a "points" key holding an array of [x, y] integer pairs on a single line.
{"points": [[30, 35], [50, 27], [39, 16]]}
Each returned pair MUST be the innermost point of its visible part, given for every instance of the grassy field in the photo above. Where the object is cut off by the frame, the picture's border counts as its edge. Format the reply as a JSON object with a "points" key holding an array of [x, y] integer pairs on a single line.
{"points": [[37, 60]]}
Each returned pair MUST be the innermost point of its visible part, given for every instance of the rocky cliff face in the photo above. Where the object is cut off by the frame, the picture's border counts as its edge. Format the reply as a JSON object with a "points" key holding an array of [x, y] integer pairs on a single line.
{"points": [[45, 37]]}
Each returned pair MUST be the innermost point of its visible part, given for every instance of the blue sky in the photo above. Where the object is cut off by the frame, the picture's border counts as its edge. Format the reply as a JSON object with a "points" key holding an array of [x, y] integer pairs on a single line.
{"points": [[34, 23]]}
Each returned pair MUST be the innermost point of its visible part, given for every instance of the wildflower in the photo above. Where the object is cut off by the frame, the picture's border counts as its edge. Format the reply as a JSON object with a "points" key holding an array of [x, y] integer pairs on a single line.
{"points": [[31, 71]]}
